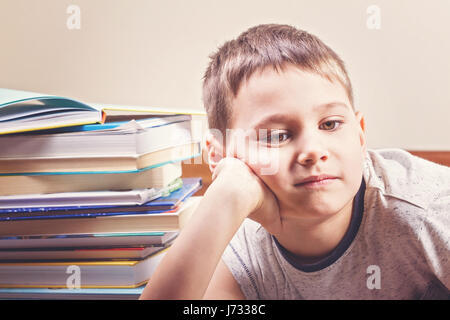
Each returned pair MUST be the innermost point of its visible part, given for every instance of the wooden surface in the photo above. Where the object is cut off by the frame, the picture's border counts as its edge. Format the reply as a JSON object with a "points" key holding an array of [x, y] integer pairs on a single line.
{"points": [[202, 169], [441, 157], [198, 170]]}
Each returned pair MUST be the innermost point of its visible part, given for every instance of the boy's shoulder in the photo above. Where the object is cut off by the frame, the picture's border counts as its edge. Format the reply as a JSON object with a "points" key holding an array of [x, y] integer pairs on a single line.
{"points": [[398, 174], [413, 196]]}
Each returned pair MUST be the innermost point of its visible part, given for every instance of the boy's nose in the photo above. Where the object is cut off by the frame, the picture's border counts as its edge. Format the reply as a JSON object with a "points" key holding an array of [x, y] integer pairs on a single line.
{"points": [[310, 158], [311, 152]]}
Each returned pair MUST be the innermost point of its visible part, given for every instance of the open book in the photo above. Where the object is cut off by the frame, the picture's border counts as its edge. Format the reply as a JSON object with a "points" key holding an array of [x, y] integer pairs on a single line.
{"points": [[22, 111]]}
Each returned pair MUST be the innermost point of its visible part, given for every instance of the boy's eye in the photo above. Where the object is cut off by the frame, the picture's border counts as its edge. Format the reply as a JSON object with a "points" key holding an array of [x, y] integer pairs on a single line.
{"points": [[273, 137], [330, 125]]}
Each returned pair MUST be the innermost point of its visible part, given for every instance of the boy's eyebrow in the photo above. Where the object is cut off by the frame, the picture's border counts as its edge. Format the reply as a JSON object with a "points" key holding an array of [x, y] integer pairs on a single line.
{"points": [[275, 118], [332, 105], [279, 118]]}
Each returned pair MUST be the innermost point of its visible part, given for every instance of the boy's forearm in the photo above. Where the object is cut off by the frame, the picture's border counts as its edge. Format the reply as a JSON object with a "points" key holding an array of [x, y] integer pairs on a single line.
{"points": [[188, 266]]}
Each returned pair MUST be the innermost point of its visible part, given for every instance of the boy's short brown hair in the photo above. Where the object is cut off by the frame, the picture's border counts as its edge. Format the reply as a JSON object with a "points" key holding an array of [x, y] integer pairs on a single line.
{"points": [[259, 47]]}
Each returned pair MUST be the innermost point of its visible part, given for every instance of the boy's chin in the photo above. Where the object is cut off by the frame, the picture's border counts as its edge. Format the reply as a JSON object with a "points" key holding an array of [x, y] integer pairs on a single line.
{"points": [[310, 208]]}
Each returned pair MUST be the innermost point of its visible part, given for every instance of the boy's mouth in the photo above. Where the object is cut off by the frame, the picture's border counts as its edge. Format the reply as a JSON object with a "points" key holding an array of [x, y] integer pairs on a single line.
{"points": [[315, 181]]}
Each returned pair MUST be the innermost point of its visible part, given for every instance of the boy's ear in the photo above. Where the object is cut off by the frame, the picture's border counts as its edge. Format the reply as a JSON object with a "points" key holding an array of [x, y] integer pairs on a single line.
{"points": [[215, 151], [362, 127]]}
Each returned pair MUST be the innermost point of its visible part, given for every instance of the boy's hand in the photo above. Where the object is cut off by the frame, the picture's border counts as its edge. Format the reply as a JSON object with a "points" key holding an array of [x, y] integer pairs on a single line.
{"points": [[258, 201]]}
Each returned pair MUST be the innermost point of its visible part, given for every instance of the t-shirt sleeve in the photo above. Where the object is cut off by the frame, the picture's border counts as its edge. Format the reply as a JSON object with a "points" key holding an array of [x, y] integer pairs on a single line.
{"points": [[237, 257]]}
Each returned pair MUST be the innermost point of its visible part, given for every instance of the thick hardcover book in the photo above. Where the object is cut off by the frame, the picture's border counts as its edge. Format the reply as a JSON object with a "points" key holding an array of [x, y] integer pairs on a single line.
{"points": [[131, 138], [172, 220], [157, 177], [105, 163], [95, 274], [78, 253]]}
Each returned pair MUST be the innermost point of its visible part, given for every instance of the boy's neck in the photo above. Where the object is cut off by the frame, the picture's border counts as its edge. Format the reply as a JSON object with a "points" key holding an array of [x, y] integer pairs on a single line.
{"points": [[312, 240]]}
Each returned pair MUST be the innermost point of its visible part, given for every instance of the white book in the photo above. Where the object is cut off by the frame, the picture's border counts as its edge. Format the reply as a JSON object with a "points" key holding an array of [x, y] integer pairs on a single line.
{"points": [[115, 239], [72, 293], [129, 139], [158, 177]]}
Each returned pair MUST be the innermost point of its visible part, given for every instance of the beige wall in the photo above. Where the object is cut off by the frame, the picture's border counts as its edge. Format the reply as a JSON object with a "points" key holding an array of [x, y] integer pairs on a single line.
{"points": [[153, 53]]}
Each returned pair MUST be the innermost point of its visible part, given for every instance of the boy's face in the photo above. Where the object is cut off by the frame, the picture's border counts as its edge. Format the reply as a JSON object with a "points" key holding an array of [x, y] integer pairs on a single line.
{"points": [[311, 131]]}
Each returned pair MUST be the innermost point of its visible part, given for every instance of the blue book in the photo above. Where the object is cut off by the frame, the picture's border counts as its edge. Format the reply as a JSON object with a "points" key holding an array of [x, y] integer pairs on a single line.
{"points": [[163, 204], [151, 121], [121, 222]]}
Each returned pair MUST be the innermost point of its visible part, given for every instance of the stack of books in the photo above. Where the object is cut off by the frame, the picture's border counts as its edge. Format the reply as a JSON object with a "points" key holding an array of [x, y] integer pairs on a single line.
{"points": [[91, 198]]}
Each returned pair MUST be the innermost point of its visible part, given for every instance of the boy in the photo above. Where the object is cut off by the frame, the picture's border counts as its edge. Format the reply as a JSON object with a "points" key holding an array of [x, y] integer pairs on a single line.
{"points": [[333, 220]]}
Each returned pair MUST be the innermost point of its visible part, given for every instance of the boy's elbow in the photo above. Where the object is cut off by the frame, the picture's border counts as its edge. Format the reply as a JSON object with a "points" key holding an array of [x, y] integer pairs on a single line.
{"points": [[223, 286]]}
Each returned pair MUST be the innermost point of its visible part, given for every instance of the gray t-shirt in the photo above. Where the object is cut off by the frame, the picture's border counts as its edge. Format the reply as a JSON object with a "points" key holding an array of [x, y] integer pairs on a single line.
{"points": [[397, 246]]}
